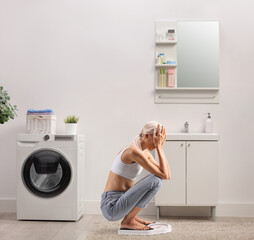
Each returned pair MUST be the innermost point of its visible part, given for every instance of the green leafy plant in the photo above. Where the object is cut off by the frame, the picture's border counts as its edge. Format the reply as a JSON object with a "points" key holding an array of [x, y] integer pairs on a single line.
{"points": [[7, 111], [71, 119]]}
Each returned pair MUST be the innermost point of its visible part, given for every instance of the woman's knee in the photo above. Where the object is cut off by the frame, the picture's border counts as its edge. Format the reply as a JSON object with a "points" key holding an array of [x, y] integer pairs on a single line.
{"points": [[156, 181]]}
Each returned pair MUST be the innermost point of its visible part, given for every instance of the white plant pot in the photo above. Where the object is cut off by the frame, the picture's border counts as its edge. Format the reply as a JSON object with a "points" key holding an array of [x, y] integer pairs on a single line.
{"points": [[71, 128]]}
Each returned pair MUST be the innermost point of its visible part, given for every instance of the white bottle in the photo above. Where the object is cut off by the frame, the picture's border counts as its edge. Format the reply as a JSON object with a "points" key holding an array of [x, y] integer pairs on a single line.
{"points": [[209, 124], [158, 59]]}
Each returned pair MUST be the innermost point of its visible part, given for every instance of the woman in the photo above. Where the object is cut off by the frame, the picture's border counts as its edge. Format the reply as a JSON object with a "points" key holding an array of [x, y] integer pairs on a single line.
{"points": [[122, 198]]}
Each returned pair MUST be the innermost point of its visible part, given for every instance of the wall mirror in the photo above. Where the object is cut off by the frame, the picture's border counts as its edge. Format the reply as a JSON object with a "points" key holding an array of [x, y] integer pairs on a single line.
{"points": [[198, 54]]}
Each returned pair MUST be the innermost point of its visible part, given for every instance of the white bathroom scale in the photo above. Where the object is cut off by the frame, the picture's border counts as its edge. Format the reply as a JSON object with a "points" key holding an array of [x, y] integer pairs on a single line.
{"points": [[155, 228]]}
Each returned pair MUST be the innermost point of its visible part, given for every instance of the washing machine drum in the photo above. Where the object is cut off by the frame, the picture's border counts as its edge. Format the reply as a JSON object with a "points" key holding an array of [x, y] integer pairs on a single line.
{"points": [[46, 173]]}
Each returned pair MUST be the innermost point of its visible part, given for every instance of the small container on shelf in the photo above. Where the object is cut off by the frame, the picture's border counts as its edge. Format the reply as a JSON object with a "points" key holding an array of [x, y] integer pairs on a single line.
{"points": [[162, 77], [162, 58], [40, 121], [161, 36], [171, 34], [169, 61], [158, 59], [171, 78]]}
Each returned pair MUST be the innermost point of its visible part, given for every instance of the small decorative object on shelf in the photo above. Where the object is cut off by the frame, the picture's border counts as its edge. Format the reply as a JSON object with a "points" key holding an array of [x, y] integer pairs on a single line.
{"points": [[171, 34], [71, 125]]}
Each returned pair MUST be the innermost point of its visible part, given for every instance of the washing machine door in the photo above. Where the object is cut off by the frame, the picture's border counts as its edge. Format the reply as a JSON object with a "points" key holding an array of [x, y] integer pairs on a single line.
{"points": [[46, 173]]}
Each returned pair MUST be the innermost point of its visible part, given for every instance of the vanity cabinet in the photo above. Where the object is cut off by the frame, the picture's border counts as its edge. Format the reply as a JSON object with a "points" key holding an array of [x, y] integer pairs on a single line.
{"points": [[194, 174]]}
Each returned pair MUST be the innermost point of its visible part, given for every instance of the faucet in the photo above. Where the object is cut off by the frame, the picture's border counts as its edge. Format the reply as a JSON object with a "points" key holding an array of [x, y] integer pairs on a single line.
{"points": [[186, 127]]}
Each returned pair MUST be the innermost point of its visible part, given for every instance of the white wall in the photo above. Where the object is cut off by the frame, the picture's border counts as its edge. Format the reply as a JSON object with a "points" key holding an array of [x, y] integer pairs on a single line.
{"points": [[96, 59]]}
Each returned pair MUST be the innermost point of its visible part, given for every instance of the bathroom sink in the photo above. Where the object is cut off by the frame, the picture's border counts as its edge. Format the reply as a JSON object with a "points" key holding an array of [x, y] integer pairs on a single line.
{"points": [[193, 136]]}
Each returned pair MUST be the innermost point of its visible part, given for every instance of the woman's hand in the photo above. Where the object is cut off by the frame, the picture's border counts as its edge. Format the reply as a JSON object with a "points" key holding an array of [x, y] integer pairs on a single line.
{"points": [[160, 137]]}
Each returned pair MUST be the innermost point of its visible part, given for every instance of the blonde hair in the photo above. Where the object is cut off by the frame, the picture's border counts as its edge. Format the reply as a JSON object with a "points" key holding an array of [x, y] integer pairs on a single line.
{"points": [[149, 128]]}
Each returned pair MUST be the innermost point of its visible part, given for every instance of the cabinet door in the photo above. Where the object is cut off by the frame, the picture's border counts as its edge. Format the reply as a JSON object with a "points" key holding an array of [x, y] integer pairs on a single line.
{"points": [[202, 172], [172, 191]]}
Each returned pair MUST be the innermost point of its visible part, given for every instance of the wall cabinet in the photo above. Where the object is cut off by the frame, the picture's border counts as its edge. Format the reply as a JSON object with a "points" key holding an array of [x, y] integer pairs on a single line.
{"points": [[194, 175], [189, 72]]}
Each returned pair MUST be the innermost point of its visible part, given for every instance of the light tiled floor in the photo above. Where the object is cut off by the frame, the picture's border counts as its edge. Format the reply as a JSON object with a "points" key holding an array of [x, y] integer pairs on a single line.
{"points": [[11, 229]]}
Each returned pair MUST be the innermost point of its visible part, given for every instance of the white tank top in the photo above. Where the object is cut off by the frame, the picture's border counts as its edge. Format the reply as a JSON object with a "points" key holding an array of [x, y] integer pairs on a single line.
{"points": [[130, 171]]}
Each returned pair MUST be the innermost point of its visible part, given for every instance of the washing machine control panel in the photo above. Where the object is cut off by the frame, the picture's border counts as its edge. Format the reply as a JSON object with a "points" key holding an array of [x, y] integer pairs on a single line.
{"points": [[24, 137]]}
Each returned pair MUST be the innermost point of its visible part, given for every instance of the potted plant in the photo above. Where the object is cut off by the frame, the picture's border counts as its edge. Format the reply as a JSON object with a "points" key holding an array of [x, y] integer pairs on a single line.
{"points": [[71, 124], [7, 111]]}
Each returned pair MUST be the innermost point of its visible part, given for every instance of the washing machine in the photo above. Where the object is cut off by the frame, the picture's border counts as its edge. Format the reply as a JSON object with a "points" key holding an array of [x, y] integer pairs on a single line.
{"points": [[50, 177]]}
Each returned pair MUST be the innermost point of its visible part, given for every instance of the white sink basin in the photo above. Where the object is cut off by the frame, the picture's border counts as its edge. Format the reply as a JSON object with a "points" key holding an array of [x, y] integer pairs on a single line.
{"points": [[193, 136]]}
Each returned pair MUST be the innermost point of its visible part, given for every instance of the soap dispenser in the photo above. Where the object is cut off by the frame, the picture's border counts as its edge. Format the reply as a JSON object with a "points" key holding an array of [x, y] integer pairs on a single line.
{"points": [[209, 124]]}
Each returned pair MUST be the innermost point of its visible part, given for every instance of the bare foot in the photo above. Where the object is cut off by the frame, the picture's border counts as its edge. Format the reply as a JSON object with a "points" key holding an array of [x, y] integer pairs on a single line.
{"points": [[133, 224], [143, 221]]}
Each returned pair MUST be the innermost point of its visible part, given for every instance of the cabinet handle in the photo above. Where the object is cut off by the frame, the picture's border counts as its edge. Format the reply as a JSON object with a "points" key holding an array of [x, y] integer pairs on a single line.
{"points": [[182, 145], [189, 145]]}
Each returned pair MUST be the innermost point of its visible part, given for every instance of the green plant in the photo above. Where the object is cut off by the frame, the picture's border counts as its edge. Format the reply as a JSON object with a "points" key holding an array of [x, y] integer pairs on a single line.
{"points": [[71, 119], [7, 111]]}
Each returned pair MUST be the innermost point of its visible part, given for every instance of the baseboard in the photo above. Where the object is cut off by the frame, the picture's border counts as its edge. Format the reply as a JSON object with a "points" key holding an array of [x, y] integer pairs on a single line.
{"points": [[235, 210], [8, 205], [222, 209]]}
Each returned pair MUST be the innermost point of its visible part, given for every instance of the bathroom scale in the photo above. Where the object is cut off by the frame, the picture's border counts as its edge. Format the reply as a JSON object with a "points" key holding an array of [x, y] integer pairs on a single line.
{"points": [[155, 228]]}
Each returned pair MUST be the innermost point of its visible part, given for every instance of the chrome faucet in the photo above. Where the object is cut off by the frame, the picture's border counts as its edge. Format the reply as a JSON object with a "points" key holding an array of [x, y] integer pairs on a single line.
{"points": [[186, 127]]}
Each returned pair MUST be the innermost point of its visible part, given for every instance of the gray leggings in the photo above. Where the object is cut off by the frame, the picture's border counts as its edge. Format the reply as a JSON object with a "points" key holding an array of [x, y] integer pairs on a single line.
{"points": [[116, 205]]}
